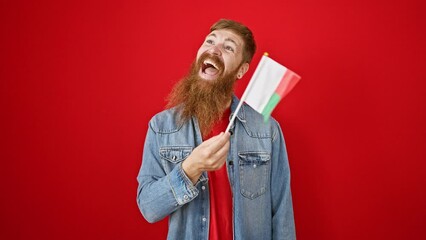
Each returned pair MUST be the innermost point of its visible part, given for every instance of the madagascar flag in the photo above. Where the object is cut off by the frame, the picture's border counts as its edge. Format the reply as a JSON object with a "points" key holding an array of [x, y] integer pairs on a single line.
{"points": [[270, 83]]}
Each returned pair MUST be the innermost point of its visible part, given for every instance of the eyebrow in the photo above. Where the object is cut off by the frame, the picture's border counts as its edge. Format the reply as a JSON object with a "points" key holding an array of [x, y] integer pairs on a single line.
{"points": [[226, 39]]}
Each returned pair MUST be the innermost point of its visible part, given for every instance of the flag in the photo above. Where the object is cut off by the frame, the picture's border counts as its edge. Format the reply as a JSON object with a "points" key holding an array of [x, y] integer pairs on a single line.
{"points": [[270, 83]]}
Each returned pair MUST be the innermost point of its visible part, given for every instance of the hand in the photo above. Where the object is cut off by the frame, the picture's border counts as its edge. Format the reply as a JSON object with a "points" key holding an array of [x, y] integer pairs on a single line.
{"points": [[208, 156]]}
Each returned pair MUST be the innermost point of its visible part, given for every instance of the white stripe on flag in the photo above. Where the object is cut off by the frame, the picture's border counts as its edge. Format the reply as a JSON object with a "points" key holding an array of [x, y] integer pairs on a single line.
{"points": [[264, 82]]}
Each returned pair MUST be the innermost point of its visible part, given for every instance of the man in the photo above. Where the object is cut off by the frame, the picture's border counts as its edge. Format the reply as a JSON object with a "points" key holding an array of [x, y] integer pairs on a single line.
{"points": [[211, 184]]}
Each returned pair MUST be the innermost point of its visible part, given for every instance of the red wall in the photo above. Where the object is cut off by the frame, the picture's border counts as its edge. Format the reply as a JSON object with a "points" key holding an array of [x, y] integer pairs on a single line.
{"points": [[79, 81]]}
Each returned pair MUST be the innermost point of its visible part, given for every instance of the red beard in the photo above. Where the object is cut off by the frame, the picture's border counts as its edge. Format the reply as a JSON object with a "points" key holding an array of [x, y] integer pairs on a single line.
{"points": [[204, 99]]}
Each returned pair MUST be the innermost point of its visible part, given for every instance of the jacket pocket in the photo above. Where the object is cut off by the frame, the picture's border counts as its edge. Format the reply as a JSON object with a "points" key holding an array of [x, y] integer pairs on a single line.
{"points": [[173, 155], [254, 173]]}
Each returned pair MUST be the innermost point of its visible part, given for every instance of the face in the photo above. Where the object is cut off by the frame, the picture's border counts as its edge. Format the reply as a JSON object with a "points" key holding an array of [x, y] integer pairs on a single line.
{"points": [[221, 53], [207, 89]]}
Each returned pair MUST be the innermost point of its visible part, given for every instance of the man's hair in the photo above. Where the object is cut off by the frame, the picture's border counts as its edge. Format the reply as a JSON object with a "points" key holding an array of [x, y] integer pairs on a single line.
{"points": [[243, 31]]}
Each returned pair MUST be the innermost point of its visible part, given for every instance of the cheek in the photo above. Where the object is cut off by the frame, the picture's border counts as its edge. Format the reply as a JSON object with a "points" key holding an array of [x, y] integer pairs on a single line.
{"points": [[230, 65], [200, 51]]}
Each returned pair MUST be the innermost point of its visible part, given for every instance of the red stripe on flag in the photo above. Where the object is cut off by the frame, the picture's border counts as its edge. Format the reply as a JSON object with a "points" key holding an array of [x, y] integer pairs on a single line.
{"points": [[287, 83]]}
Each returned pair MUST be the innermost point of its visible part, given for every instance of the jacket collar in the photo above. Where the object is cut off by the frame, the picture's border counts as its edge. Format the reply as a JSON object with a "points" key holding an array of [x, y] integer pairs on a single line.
{"points": [[241, 114]]}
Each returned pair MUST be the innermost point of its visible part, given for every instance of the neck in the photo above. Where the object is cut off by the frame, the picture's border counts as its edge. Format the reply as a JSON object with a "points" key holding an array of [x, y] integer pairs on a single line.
{"points": [[228, 104]]}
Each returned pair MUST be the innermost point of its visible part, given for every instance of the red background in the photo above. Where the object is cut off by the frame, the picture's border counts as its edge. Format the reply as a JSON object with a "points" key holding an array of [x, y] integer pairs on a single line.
{"points": [[81, 79]]}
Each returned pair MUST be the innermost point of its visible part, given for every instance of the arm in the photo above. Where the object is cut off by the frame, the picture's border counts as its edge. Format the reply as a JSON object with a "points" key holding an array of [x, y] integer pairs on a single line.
{"points": [[282, 206], [159, 194]]}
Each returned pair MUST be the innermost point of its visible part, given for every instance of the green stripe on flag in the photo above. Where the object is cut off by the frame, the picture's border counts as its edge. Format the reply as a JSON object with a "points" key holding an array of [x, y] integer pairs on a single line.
{"points": [[272, 103]]}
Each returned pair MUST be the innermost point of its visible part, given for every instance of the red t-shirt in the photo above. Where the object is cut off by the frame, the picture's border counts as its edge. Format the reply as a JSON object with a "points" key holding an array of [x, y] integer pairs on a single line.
{"points": [[220, 194]]}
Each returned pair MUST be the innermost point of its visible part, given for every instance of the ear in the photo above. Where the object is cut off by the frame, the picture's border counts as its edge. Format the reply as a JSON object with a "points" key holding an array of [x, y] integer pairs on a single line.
{"points": [[243, 69]]}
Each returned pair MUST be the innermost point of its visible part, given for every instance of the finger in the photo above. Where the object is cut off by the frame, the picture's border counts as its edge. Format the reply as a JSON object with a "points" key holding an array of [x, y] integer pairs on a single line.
{"points": [[219, 156], [223, 152], [212, 139], [220, 159], [217, 165], [219, 142]]}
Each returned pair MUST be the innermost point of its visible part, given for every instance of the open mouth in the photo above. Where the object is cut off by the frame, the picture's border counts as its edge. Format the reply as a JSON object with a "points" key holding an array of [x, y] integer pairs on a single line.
{"points": [[209, 68]]}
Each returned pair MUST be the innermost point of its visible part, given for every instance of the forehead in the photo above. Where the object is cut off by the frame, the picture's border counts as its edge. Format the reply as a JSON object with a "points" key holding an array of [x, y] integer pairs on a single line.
{"points": [[226, 35]]}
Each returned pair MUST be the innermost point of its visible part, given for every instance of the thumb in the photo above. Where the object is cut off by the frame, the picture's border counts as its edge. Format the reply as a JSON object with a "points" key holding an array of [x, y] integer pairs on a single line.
{"points": [[212, 139]]}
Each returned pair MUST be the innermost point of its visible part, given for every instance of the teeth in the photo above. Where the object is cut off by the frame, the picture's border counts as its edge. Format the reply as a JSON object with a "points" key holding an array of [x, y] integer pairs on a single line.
{"points": [[212, 63]]}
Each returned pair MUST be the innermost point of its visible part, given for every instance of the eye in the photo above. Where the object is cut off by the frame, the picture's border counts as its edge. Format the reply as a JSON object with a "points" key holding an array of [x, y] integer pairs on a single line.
{"points": [[229, 48], [209, 41]]}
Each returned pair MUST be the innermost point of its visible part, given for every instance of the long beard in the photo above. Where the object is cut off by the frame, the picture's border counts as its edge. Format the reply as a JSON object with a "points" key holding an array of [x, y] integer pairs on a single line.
{"points": [[205, 99]]}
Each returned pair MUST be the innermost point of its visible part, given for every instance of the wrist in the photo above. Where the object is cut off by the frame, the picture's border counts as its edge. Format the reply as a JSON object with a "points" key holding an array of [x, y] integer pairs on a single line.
{"points": [[191, 171]]}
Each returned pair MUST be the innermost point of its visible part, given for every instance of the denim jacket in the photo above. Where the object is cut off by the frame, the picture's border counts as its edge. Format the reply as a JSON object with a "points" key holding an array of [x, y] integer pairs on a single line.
{"points": [[258, 172]]}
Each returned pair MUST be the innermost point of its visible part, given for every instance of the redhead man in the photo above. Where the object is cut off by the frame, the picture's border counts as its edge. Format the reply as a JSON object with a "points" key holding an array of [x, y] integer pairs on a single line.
{"points": [[214, 184]]}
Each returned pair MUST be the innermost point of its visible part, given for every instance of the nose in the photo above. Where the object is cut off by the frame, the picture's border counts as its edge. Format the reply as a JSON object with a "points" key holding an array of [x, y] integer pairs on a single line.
{"points": [[215, 50]]}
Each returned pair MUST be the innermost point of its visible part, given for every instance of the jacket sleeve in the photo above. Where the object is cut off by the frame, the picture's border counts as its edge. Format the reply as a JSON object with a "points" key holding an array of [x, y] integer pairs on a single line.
{"points": [[282, 207], [160, 194]]}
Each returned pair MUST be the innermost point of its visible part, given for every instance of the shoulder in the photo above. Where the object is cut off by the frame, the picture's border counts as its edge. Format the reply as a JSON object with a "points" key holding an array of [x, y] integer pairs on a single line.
{"points": [[166, 121]]}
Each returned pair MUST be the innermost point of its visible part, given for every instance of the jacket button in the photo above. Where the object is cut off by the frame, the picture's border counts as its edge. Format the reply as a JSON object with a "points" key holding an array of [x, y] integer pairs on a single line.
{"points": [[204, 219], [203, 187]]}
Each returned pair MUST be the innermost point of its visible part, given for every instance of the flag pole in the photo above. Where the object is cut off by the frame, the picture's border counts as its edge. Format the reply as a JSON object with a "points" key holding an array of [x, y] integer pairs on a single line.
{"points": [[249, 86]]}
